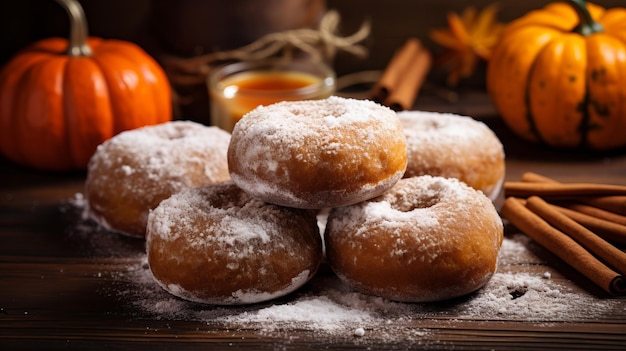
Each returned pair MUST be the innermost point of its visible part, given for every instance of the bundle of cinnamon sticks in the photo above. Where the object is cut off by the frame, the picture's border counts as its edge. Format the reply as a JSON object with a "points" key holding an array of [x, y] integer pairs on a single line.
{"points": [[584, 224], [403, 77]]}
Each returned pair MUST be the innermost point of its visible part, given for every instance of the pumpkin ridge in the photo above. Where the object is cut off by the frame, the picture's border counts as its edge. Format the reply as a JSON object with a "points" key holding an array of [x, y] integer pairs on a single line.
{"points": [[530, 117], [151, 74], [584, 127]]}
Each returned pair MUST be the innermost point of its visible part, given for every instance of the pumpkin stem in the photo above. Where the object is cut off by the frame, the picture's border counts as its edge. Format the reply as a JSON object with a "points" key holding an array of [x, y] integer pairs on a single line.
{"points": [[587, 24], [78, 28]]}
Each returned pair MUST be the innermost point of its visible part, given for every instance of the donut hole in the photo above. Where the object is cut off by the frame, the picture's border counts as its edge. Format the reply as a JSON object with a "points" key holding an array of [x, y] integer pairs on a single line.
{"points": [[177, 132], [224, 197], [433, 125], [321, 111], [334, 111], [409, 201], [175, 136]]}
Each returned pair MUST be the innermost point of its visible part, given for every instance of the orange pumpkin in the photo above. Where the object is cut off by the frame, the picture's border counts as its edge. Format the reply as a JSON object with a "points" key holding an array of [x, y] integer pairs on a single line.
{"points": [[558, 76], [60, 99]]}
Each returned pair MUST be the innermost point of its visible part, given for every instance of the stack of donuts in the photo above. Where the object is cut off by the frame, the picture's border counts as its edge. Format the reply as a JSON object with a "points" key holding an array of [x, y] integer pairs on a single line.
{"points": [[405, 198]]}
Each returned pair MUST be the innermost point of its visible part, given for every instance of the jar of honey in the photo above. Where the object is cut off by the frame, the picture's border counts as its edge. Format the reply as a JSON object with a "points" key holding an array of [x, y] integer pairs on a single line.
{"points": [[235, 89]]}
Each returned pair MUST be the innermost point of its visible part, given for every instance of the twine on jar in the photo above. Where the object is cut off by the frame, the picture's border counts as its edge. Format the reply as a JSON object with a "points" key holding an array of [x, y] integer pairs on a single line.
{"points": [[320, 44]]}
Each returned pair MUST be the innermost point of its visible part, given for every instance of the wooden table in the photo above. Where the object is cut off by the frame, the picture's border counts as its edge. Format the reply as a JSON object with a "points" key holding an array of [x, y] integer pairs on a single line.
{"points": [[67, 285]]}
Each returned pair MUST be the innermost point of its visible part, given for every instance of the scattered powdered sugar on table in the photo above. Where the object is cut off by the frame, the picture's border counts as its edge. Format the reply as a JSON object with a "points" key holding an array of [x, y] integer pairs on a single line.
{"points": [[320, 312], [327, 307], [525, 296]]}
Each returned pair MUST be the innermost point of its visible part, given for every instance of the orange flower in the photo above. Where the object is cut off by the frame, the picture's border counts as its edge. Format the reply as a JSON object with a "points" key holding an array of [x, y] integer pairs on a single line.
{"points": [[469, 38]]}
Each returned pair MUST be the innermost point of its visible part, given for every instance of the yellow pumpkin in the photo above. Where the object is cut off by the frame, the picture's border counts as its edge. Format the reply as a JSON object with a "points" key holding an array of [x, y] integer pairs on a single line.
{"points": [[558, 76], [60, 99]]}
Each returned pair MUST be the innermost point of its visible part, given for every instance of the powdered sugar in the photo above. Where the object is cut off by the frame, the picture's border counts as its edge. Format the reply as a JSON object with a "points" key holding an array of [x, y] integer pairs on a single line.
{"points": [[239, 219], [132, 172], [216, 244], [536, 297], [315, 154], [325, 313], [425, 201], [332, 112], [422, 224], [519, 291], [313, 123], [454, 146], [327, 307], [165, 151], [450, 129]]}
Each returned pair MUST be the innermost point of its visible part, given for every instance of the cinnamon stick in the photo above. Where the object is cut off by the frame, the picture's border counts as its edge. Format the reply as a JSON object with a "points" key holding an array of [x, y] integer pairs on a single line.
{"points": [[611, 203], [404, 93], [531, 177], [395, 70], [608, 230], [608, 253], [561, 190], [615, 204], [596, 212], [562, 246], [403, 76]]}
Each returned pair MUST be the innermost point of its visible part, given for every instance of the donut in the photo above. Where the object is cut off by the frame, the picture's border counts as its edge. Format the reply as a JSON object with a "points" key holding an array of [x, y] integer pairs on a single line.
{"points": [[454, 146], [129, 174], [317, 154], [426, 239], [216, 244]]}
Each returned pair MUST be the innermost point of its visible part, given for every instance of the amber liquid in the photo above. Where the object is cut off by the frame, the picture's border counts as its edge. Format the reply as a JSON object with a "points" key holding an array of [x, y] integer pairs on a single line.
{"points": [[243, 92], [274, 81]]}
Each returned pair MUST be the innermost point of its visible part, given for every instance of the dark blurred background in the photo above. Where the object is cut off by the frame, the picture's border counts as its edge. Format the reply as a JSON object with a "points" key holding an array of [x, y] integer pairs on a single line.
{"points": [[187, 28]]}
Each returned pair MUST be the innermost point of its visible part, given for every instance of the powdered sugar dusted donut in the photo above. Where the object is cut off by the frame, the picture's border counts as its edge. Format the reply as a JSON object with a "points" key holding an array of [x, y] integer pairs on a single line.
{"points": [[426, 239], [316, 154], [132, 172], [454, 146], [216, 244]]}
